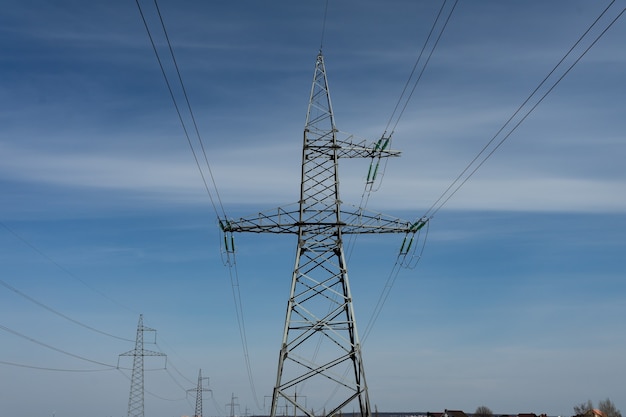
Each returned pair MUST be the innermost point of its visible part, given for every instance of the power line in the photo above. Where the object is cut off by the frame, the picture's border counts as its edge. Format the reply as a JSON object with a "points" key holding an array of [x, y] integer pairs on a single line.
{"points": [[184, 90], [58, 313], [234, 279], [400, 263], [436, 206], [170, 364], [385, 139], [236, 293], [232, 268], [374, 171], [42, 368], [73, 355], [460, 179], [324, 25], [423, 68], [177, 108], [401, 259], [61, 267]]}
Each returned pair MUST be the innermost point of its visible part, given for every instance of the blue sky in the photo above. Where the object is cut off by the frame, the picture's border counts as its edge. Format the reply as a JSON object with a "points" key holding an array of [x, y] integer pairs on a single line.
{"points": [[518, 302]]}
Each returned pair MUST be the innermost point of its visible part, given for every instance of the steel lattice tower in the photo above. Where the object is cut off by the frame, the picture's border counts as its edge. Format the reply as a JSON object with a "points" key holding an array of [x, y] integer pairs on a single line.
{"points": [[320, 349], [199, 390], [136, 398]]}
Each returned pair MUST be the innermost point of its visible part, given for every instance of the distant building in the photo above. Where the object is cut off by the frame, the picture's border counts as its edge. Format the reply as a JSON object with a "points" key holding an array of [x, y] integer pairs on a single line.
{"points": [[456, 413]]}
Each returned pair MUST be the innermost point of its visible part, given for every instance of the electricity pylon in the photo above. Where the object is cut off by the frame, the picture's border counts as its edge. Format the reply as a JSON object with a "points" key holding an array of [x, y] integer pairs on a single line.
{"points": [[136, 398], [232, 404], [329, 366], [199, 390]]}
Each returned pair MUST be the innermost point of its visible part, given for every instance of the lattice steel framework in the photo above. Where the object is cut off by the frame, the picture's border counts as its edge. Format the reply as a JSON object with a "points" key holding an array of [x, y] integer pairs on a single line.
{"points": [[199, 390], [320, 349], [136, 398]]}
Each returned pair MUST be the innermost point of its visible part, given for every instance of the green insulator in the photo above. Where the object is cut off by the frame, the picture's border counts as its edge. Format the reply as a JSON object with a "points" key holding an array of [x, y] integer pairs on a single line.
{"points": [[409, 247], [402, 247], [385, 144], [418, 225], [375, 170]]}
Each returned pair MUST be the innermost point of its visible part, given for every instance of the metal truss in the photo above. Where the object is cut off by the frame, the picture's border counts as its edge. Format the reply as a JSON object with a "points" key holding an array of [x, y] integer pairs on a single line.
{"points": [[320, 350]]}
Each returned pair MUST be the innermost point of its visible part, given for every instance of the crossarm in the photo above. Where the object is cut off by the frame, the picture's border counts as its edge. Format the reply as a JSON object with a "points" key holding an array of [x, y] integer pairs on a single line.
{"points": [[353, 221]]}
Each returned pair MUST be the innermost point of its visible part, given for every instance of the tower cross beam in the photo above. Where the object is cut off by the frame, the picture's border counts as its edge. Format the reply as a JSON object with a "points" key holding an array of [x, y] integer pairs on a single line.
{"points": [[357, 221]]}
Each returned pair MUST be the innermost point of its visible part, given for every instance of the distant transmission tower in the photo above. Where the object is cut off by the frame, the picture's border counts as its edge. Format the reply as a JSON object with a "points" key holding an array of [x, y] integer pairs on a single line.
{"points": [[232, 405], [320, 350], [199, 390], [135, 400]]}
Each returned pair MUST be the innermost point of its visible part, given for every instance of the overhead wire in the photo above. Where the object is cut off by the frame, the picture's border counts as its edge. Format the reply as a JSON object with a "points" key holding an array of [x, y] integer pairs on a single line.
{"points": [[61, 267], [221, 212], [406, 96], [170, 364], [43, 368], [403, 100], [191, 114], [234, 279], [58, 313], [460, 180], [447, 195], [389, 283], [177, 108], [423, 67], [73, 355], [441, 20], [324, 25]]}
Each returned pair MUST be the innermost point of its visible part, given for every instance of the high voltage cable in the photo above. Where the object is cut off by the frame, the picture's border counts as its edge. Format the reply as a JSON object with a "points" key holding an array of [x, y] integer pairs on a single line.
{"points": [[423, 68], [367, 191], [447, 194], [58, 313], [175, 380], [43, 368], [217, 406], [391, 279], [64, 316], [234, 279], [61, 267], [172, 365], [236, 293], [193, 119], [436, 206], [431, 212], [324, 25], [178, 112], [23, 336], [369, 186]]}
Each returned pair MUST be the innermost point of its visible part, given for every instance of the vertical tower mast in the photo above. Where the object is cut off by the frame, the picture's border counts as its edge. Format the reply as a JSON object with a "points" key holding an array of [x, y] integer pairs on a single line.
{"points": [[199, 390], [136, 397], [320, 350], [319, 312]]}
